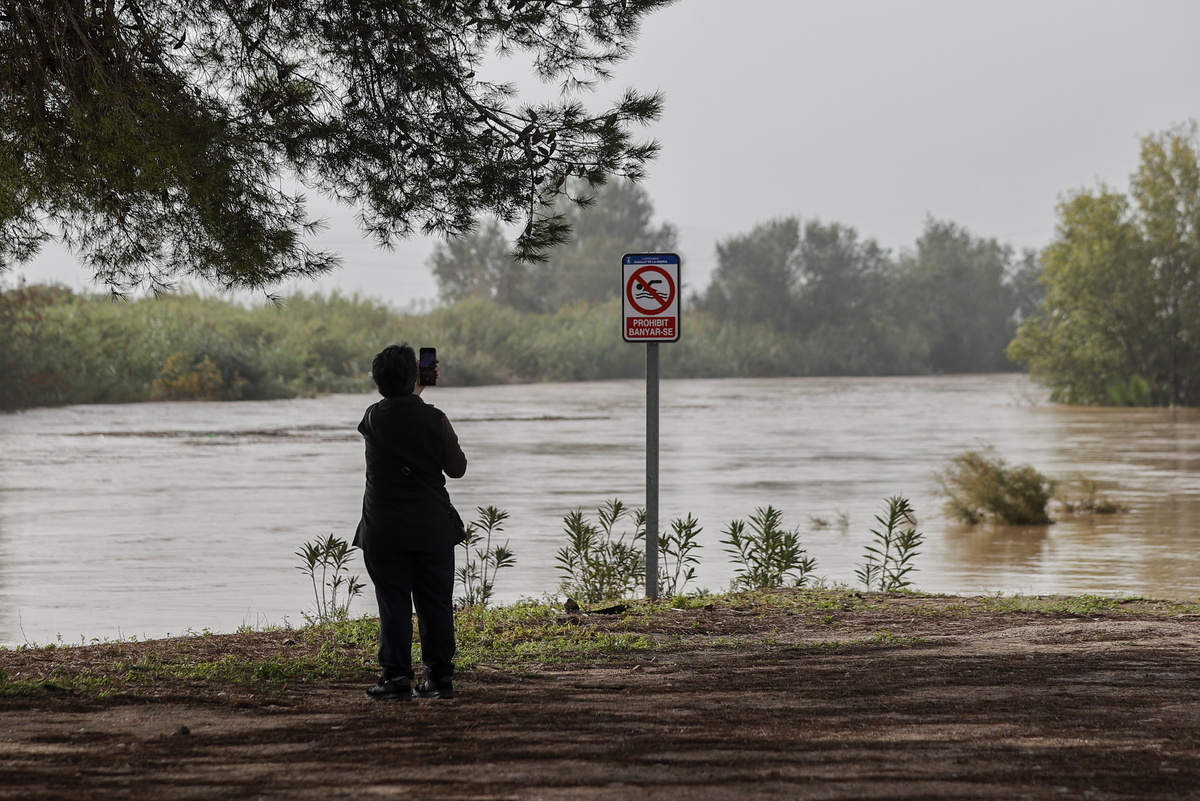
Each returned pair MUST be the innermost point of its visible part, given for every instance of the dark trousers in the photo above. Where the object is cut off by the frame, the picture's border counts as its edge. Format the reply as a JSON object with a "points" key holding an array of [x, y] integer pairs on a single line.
{"points": [[420, 579]]}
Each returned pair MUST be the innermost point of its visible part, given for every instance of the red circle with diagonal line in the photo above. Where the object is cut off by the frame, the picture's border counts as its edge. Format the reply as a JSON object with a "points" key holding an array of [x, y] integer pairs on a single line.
{"points": [[665, 300]]}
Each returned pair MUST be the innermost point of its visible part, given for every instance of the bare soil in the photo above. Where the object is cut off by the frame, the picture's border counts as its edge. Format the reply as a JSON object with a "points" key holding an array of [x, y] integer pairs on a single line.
{"points": [[893, 702]]}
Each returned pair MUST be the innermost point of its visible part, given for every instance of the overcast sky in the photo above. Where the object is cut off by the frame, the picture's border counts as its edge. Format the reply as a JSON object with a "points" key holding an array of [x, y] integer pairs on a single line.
{"points": [[871, 113]]}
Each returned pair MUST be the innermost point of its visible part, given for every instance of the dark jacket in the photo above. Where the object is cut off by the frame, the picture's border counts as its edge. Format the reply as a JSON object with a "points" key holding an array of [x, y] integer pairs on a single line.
{"points": [[398, 513]]}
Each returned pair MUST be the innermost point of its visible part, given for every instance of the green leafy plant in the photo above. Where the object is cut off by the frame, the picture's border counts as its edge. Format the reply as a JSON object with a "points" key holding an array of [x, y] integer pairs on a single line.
{"points": [[981, 487], [888, 561], [676, 558], [599, 563], [483, 560], [768, 556], [326, 563]]}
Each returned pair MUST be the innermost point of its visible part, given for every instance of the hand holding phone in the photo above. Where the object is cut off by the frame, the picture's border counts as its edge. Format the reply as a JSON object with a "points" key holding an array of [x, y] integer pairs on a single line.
{"points": [[427, 367]]}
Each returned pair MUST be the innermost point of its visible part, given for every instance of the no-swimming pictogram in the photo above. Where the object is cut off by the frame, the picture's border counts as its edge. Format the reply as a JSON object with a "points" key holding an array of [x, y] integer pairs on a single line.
{"points": [[645, 293]]}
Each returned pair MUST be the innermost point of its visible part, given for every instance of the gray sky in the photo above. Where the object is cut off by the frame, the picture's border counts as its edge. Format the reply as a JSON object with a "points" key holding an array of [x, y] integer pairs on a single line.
{"points": [[871, 113]]}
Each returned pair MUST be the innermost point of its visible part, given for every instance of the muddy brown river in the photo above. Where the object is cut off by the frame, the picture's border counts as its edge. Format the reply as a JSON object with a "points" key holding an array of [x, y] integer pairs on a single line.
{"points": [[150, 519]]}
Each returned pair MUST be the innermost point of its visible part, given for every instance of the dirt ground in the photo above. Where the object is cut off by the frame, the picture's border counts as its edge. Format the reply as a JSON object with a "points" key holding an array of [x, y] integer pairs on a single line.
{"points": [[907, 704]]}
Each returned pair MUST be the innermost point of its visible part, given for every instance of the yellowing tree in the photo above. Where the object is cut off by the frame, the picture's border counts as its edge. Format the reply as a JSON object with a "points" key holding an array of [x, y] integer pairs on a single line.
{"points": [[1120, 323]]}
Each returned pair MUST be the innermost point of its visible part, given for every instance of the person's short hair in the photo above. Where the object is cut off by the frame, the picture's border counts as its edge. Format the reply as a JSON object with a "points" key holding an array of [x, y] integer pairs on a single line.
{"points": [[394, 371]]}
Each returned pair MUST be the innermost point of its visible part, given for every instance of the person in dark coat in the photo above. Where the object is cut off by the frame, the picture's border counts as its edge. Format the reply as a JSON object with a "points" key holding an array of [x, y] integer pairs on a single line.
{"points": [[408, 528]]}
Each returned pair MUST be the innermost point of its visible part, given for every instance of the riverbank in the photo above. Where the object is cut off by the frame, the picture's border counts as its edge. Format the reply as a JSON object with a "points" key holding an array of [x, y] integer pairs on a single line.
{"points": [[800, 694]]}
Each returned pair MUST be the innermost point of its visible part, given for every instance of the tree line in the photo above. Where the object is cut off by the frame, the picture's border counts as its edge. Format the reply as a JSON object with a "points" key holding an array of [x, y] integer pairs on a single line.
{"points": [[1109, 313], [839, 303], [156, 142]]}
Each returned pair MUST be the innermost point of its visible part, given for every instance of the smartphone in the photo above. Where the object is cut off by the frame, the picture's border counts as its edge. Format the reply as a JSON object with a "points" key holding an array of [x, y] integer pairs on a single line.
{"points": [[427, 367]]}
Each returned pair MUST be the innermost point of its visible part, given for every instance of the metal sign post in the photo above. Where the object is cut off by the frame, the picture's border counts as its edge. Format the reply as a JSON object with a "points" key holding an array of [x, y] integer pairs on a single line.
{"points": [[650, 313], [652, 470]]}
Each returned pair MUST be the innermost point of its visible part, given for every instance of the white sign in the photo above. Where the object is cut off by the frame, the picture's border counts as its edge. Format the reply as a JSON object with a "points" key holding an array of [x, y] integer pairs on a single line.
{"points": [[650, 297]]}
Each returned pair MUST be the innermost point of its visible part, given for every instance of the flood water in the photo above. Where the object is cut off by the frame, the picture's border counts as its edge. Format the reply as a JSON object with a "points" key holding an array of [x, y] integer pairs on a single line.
{"points": [[153, 519]]}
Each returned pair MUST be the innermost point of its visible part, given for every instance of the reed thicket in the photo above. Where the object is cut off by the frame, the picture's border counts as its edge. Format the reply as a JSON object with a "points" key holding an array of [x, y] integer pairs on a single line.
{"points": [[61, 347]]}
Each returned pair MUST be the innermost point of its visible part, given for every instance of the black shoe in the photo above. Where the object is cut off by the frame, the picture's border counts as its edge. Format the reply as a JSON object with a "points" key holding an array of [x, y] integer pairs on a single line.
{"points": [[435, 689], [391, 690]]}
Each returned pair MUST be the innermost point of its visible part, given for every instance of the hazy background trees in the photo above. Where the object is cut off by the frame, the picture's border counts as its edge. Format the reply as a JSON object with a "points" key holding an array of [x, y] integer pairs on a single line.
{"points": [[948, 305], [479, 265], [967, 295], [607, 222], [617, 221]]}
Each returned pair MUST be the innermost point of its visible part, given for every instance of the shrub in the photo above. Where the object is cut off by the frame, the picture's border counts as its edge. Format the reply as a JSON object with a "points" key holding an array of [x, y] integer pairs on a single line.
{"points": [[326, 563], [676, 560], [888, 561], [598, 563], [768, 556], [482, 560], [185, 378], [981, 487]]}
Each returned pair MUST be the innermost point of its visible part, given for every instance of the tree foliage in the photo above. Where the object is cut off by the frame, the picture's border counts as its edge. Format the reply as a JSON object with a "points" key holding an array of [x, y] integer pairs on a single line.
{"points": [[968, 295], [614, 219], [949, 305], [606, 222], [755, 274], [479, 265], [157, 139], [1120, 323]]}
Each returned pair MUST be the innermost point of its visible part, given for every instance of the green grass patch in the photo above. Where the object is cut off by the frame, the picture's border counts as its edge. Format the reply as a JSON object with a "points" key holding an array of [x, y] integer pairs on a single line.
{"points": [[521, 638], [1086, 605]]}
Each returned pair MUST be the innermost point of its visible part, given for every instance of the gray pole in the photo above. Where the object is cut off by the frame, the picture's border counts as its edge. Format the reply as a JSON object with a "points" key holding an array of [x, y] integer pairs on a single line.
{"points": [[652, 470]]}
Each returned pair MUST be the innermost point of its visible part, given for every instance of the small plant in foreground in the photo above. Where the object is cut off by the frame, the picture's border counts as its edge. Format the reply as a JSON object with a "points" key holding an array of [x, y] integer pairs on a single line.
{"points": [[597, 563], [768, 556], [981, 487], [888, 561], [330, 557], [478, 572], [676, 562]]}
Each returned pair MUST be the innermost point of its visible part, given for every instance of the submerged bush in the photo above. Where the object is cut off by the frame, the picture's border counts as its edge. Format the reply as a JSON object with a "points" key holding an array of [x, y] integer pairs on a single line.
{"points": [[1085, 497], [982, 488]]}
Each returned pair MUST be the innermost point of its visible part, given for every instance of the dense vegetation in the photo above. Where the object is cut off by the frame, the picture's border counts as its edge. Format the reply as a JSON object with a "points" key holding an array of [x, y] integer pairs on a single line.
{"points": [[1121, 320], [59, 347], [1118, 322]]}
